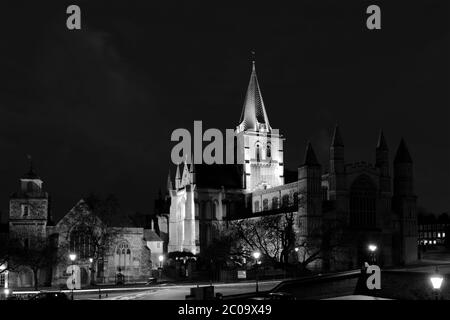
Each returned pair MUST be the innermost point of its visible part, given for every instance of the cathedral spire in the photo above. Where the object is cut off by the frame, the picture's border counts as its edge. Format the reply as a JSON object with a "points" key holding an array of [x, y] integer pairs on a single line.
{"points": [[254, 116], [337, 138], [169, 182], [402, 155], [310, 156], [382, 145]]}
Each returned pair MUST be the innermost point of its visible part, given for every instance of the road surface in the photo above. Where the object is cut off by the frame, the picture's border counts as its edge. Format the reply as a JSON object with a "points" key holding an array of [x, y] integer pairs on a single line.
{"points": [[178, 292]]}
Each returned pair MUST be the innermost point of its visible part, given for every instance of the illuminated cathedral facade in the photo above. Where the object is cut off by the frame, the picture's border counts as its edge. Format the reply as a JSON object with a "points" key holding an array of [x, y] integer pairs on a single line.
{"points": [[373, 203]]}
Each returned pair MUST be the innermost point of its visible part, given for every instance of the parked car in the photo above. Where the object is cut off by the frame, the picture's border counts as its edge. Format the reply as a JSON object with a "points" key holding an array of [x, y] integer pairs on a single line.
{"points": [[55, 296]]}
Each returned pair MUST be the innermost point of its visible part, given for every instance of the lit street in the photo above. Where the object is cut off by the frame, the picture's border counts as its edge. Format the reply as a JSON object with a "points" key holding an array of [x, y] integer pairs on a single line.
{"points": [[177, 292]]}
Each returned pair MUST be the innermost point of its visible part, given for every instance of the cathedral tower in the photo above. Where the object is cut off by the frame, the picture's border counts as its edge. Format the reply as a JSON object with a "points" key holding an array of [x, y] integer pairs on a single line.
{"points": [[262, 149], [404, 204]]}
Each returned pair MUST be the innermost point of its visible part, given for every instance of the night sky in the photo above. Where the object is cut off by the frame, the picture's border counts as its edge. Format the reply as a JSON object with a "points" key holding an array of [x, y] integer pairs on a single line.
{"points": [[95, 108]]}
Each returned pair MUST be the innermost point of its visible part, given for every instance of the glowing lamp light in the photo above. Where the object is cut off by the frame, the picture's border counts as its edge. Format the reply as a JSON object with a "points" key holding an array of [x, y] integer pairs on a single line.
{"points": [[296, 249], [372, 247], [91, 260], [256, 255], [6, 291], [161, 258], [72, 256], [436, 281], [2, 267]]}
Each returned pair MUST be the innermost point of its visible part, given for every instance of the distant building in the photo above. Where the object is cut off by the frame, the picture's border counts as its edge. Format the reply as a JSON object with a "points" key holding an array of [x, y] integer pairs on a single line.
{"points": [[374, 206], [127, 249]]}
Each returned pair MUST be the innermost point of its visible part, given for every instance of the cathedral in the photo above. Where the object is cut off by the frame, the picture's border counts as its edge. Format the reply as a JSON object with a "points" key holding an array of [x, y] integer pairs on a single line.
{"points": [[106, 248], [371, 203]]}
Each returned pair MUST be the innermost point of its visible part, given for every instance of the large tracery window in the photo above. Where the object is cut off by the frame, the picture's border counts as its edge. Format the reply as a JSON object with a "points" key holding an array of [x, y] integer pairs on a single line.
{"points": [[81, 243], [122, 256], [363, 202]]}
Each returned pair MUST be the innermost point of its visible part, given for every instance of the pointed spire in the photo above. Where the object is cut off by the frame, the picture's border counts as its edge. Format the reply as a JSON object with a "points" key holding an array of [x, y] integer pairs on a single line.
{"points": [[31, 174], [337, 138], [310, 156], [169, 182], [382, 145], [177, 174], [253, 114], [402, 155]]}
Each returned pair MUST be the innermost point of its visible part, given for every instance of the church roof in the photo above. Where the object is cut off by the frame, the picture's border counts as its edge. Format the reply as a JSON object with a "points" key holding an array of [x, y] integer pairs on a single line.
{"points": [[337, 138], [150, 235], [402, 155], [253, 112], [310, 156]]}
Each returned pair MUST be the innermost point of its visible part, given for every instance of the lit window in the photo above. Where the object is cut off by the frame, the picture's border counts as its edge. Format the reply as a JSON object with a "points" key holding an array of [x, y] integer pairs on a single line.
{"points": [[439, 234], [443, 234], [434, 242]]}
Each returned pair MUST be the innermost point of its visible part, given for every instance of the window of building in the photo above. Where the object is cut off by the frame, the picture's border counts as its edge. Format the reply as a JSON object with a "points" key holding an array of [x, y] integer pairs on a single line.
{"points": [[122, 256], [363, 202], [158, 244], [275, 203], [256, 206], [2, 280], [266, 204], [285, 200], [81, 243], [269, 151], [25, 210], [258, 152]]}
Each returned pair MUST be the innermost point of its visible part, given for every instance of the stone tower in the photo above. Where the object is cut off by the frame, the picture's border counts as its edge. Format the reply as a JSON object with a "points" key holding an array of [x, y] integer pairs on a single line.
{"points": [[337, 178], [404, 204], [262, 149], [384, 201], [310, 201], [29, 211]]}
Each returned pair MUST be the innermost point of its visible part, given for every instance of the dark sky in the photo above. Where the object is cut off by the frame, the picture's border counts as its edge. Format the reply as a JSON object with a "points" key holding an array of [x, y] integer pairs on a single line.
{"points": [[95, 108]]}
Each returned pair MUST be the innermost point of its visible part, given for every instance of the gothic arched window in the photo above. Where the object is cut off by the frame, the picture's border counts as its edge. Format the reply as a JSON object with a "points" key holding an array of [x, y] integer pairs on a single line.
{"points": [[295, 198], [81, 243], [256, 206], [275, 203], [266, 204], [258, 152], [269, 151], [122, 256], [285, 201], [363, 202]]}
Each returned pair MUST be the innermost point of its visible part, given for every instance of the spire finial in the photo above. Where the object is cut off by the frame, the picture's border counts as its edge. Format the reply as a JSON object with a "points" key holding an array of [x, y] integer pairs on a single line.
{"points": [[253, 59], [30, 161]]}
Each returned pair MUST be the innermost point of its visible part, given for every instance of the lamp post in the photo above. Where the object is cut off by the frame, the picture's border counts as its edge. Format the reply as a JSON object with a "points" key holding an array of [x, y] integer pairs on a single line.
{"points": [[91, 268], [161, 259], [256, 255], [436, 281], [72, 257], [372, 249]]}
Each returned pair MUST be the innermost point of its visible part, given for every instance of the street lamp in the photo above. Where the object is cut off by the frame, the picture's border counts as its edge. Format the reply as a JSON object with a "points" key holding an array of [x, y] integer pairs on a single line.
{"points": [[372, 248], [161, 259], [72, 258], [436, 281], [257, 255], [296, 249]]}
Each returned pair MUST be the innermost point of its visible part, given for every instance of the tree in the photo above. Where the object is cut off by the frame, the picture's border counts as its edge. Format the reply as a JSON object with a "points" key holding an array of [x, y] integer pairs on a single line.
{"points": [[275, 237], [38, 255]]}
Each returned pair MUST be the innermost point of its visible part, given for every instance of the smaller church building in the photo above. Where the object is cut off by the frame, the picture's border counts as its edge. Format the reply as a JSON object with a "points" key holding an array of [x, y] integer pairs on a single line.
{"points": [[107, 249]]}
